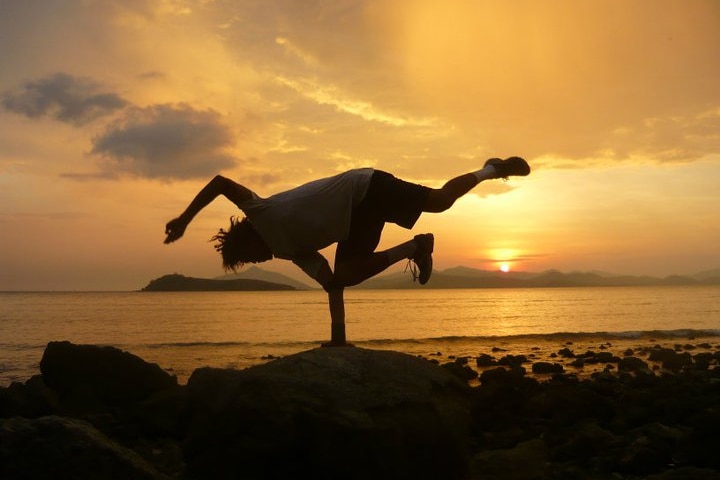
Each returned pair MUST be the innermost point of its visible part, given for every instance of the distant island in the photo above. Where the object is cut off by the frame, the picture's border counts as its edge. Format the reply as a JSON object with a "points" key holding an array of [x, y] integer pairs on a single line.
{"points": [[257, 279], [180, 283]]}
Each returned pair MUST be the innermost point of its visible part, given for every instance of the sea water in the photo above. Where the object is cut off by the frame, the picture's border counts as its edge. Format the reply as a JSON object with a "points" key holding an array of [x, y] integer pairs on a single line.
{"points": [[182, 331]]}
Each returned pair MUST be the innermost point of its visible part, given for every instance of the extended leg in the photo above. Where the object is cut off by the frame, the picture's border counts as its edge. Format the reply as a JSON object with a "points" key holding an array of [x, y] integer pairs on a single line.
{"points": [[440, 199]]}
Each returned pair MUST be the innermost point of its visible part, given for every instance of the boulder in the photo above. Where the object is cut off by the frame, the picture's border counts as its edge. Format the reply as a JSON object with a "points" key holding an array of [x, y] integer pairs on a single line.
{"points": [[566, 353], [685, 473], [633, 364], [89, 376], [512, 377], [651, 449], [54, 447], [525, 461], [577, 363], [30, 399], [485, 360], [670, 359], [702, 360], [592, 357], [512, 360], [585, 440], [328, 413], [568, 404], [460, 370], [547, 367]]}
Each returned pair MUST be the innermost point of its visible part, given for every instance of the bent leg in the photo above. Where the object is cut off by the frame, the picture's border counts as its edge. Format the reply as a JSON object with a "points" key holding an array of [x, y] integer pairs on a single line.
{"points": [[351, 271]]}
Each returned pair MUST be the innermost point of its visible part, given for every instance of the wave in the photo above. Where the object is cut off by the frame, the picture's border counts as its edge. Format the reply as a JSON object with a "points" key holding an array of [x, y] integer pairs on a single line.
{"points": [[288, 343], [647, 335], [623, 335]]}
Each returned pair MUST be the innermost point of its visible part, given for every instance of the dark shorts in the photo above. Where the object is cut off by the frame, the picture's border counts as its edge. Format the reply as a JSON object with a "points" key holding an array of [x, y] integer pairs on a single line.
{"points": [[388, 199]]}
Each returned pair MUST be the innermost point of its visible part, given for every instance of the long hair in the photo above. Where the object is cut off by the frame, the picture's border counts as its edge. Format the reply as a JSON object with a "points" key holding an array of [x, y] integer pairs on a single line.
{"points": [[240, 244]]}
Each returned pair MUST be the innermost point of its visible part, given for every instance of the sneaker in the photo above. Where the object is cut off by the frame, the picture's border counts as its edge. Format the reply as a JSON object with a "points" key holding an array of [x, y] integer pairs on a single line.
{"points": [[422, 260], [513, 166]]}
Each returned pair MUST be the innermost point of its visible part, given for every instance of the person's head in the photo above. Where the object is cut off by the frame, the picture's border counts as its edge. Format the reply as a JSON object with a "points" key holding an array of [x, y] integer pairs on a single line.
{"points": [[241, 244]]}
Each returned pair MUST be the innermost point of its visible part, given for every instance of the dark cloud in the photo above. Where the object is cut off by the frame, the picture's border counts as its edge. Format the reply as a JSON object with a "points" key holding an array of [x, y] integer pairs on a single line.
{"points": [[170, 141], [64, 97]]}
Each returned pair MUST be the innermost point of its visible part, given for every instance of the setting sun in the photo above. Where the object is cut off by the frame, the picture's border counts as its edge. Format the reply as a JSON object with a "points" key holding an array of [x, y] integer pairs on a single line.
{"points": [[505, 267]]}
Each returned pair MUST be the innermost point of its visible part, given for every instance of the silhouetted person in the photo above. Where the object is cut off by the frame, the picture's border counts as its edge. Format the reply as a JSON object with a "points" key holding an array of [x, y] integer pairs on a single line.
{"points": [[349, 209]]}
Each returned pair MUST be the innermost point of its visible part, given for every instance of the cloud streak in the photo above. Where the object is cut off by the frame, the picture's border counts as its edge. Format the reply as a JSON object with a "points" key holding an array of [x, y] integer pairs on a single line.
{"points": [[63, 97], [329, 95], [168, 141]]}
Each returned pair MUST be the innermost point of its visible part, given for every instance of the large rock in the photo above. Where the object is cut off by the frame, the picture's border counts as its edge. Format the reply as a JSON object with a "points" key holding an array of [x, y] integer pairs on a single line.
{"points": [[55, 447], [30, 399], [525, 461], [634, 364], [670, 359], [87, 376], [328, 413]]}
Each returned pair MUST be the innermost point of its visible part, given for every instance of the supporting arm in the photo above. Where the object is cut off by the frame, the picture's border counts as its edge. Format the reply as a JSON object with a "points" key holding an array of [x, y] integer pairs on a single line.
{"points": [[219, 185], [337, 318], [317, 267], [335, 291]]}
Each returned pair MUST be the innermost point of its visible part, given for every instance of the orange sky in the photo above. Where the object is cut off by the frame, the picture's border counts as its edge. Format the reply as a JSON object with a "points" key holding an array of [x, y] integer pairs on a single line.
{"points": [[113, 114]]}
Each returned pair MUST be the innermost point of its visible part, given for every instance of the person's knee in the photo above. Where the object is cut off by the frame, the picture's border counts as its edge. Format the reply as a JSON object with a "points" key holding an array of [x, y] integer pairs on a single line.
{"points": [[355, 271], [342, 276]]}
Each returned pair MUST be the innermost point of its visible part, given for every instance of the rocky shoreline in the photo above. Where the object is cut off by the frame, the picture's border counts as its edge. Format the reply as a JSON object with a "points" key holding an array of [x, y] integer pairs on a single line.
{"points": [[99, 412]]}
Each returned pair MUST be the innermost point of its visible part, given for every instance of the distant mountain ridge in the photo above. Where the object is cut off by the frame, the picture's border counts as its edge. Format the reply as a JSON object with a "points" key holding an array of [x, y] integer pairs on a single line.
{"points": [[255, 278], [466, 277], [714, 273]]}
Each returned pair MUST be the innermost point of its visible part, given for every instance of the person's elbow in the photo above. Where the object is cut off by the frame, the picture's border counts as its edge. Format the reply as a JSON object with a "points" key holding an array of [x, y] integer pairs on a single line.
{"points": [[221, 181]]}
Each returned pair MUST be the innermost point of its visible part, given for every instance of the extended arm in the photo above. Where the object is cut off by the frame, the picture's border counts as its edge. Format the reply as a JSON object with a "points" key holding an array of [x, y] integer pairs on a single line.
{"points": [[219, 185]]}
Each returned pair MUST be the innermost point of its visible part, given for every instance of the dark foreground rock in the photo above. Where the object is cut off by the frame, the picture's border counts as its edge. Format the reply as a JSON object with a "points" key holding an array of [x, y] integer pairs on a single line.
{"points": [[89, 376], [355, 413], [55, 447], [329, 413], [325, 413]]}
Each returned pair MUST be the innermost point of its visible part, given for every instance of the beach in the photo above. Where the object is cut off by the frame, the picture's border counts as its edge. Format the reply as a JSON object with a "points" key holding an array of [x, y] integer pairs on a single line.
{"points": [[589, 355], [647, 411]]}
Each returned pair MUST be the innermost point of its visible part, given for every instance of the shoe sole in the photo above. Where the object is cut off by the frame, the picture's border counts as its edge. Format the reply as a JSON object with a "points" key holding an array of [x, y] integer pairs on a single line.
{"points": [[510, 167], [425, 263]]}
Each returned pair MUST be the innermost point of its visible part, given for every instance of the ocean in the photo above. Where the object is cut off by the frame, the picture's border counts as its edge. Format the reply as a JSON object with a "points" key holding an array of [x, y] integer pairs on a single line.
{"points": [[182, 331]]}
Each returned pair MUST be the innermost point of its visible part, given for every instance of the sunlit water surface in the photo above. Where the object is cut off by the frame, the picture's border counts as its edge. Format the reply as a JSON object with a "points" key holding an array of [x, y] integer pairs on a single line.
{"points": [[182, 331]]}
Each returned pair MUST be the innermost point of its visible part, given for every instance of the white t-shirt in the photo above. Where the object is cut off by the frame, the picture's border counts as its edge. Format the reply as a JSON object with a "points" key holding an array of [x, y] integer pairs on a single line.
{"points": [[297, 223]]}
